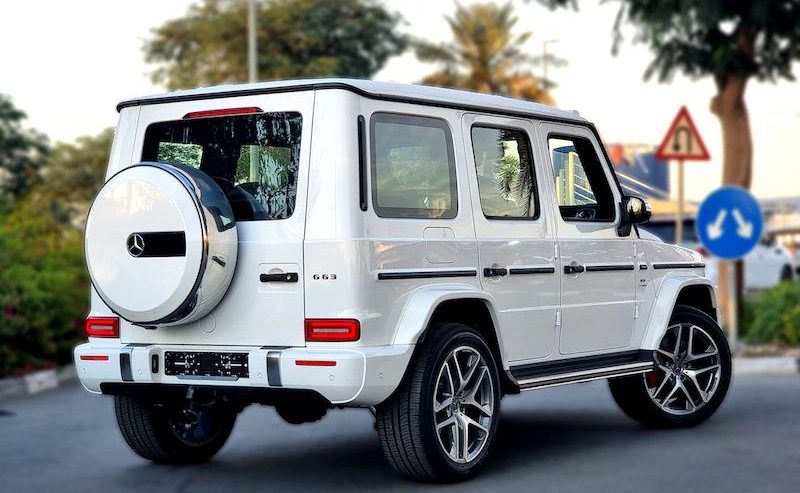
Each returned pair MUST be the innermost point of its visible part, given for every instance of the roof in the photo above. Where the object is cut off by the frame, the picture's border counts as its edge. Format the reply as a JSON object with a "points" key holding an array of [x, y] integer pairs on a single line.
{"points": [[379, 90]]}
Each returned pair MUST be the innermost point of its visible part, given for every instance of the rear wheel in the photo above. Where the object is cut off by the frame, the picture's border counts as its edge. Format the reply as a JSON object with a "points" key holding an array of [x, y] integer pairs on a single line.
{"points": [[440, 423], [175, 433], [691, 379]]}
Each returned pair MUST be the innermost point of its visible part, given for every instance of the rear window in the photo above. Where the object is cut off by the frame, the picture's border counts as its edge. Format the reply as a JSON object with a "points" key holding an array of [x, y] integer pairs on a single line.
{"points": [[254, 158]]}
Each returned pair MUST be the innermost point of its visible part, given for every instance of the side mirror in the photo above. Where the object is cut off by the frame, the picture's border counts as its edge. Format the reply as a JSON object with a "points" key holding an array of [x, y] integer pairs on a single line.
{"points": [[635, 210]]}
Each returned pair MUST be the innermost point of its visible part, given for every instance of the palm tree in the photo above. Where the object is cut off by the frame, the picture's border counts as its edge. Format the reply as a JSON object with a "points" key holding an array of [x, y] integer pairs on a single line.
{"points": [[485, 56]]}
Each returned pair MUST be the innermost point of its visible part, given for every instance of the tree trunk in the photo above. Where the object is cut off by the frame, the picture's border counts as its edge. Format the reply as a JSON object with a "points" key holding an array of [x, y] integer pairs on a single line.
{"points": [[737, 164]]}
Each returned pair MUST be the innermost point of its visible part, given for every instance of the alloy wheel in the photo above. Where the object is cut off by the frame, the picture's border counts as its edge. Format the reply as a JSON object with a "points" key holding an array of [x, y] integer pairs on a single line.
{"points": [[688, 370], [463, 404]]}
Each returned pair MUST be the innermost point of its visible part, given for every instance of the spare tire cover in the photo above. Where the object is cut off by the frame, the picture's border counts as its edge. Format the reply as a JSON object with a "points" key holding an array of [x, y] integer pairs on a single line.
{"points": [[161, 244]]}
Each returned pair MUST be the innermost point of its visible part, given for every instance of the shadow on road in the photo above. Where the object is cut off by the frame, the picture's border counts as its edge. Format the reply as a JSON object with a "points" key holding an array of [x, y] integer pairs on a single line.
{"points": [[525, 440]]}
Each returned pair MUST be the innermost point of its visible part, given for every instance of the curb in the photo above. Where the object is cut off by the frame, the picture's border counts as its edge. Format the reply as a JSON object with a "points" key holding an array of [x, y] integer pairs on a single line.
{"points": [[36, 382], [770, 365]]}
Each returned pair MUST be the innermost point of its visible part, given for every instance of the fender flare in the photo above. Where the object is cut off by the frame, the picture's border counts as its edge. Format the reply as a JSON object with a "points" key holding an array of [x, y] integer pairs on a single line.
{"points": [[667, 293], [423, 302]]}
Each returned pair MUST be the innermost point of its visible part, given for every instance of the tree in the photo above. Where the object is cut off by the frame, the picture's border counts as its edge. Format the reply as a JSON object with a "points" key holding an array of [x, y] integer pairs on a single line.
{"points": [[732, 41], [74, 173], [44, 287], [295, 38], [21, 153], [485, 56]]}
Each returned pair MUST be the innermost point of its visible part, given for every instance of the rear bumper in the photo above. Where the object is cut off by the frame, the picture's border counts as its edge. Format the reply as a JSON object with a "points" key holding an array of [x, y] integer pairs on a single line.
{"points": [[358, 377]]}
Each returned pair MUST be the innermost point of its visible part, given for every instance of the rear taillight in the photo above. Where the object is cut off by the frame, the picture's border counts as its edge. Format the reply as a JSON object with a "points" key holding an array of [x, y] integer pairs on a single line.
{"points": [[332, 330], [102, 327]]}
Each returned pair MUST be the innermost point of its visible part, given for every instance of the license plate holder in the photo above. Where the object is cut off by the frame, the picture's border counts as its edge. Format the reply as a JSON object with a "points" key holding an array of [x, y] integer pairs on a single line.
{"points": [[206, 364]]}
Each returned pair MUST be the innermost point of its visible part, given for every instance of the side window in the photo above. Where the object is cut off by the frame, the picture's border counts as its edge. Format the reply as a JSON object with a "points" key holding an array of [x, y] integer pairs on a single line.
{"points": [[504, 167], [582, 188], [413, 167]]}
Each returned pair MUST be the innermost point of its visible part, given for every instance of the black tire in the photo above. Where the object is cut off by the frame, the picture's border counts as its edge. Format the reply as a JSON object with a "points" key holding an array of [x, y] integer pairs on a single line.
{"points": [[786, 273], [632, 395], [149, 430], [406, 424]]}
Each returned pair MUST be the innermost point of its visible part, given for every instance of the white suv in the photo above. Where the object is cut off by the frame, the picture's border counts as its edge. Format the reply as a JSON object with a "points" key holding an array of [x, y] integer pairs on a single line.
{"points": [[417, 251]]}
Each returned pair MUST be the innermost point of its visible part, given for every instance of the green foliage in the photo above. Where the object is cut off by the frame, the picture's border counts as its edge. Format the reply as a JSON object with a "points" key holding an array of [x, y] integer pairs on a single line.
{"points": [[295, 38], [21, 152], [774, 316], [485, 55], [43, 286], [74, 172], [721, 38]]}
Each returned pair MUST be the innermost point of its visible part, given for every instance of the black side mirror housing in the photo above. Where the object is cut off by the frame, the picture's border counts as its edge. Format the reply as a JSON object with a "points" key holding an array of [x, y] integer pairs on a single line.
{"points": [[635, 210]]}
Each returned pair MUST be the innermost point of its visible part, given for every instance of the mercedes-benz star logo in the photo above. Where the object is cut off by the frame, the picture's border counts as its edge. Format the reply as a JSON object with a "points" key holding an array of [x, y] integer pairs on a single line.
{"points": [[135, 245]]}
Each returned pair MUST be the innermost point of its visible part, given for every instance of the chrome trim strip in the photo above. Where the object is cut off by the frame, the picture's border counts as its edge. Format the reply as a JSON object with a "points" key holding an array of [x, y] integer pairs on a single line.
{"points": [[125, 370], [585, 375], [274, 368]]}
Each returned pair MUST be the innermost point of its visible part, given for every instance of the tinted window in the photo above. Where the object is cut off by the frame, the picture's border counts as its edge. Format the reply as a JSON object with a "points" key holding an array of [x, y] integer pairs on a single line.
{"points": [[413, 168], [253, 158], [666, 231], [582, 189], [505, 173]]}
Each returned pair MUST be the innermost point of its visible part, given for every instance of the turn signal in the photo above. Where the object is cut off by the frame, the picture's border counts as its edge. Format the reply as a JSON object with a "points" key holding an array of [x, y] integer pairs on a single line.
{"points": [[102, 327], [332, 330]]}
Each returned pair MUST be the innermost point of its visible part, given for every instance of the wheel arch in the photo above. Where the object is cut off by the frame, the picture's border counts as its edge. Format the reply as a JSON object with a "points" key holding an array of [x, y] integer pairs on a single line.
{"points": [[455, 304], [678, 289]]}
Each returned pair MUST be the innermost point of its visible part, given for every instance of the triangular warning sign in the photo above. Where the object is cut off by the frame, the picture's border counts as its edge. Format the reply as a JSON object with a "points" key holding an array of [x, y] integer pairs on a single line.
{"points": [[683, 141]]}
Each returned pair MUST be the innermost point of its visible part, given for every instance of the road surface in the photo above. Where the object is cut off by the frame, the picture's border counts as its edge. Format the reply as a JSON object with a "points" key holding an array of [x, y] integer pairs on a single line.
{"points": [[567, 439]]}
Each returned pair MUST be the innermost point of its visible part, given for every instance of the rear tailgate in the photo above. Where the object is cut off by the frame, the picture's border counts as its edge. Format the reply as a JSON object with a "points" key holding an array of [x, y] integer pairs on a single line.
{"points": [[261, 161]]}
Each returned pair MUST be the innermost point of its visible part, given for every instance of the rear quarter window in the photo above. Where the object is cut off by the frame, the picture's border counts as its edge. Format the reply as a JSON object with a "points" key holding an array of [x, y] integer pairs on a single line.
{"points": [[413, 167]]}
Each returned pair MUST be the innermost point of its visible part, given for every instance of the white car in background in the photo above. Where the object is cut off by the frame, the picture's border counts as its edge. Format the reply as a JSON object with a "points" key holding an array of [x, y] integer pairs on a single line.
{"points": [[767, 265]]}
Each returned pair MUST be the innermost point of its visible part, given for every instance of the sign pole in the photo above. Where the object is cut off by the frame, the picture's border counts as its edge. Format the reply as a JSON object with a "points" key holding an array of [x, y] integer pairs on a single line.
{"points": [[733, 305], [679, 219]]}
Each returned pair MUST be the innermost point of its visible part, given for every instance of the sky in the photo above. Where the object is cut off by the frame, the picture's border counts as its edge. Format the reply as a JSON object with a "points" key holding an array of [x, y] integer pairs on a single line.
{"points": [[68, 69]]}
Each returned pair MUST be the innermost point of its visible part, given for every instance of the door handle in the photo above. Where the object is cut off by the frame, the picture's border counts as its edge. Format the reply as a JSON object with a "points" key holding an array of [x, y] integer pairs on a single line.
{"points": [[574, 268], [282, 277], [494, 272]]}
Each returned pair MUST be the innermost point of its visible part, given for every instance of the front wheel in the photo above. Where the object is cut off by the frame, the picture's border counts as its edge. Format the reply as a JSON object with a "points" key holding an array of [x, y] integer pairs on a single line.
{"points": [[180, 432], [691, 378], [440, 423]]}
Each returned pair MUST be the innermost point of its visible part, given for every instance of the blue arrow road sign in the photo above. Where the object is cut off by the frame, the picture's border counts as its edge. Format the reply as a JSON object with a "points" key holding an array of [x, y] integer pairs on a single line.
{"points": [[729, 223]]}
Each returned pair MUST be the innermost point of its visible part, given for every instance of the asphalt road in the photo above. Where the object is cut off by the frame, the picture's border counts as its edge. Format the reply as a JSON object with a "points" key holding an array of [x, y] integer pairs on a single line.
{"points": [[563, 439]]}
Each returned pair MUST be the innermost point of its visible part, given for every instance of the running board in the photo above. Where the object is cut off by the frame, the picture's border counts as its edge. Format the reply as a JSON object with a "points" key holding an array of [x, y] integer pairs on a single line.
{"points": [[584, 369]]}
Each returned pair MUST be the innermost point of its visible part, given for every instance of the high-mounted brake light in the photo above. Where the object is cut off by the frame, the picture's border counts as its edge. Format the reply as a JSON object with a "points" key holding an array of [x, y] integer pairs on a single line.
{"points": [[332, 330], [223, 112], [102, 327]]}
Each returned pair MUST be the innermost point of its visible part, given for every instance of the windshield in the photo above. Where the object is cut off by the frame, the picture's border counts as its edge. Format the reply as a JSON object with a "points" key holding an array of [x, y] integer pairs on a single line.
{"points": [[254, 158]]}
